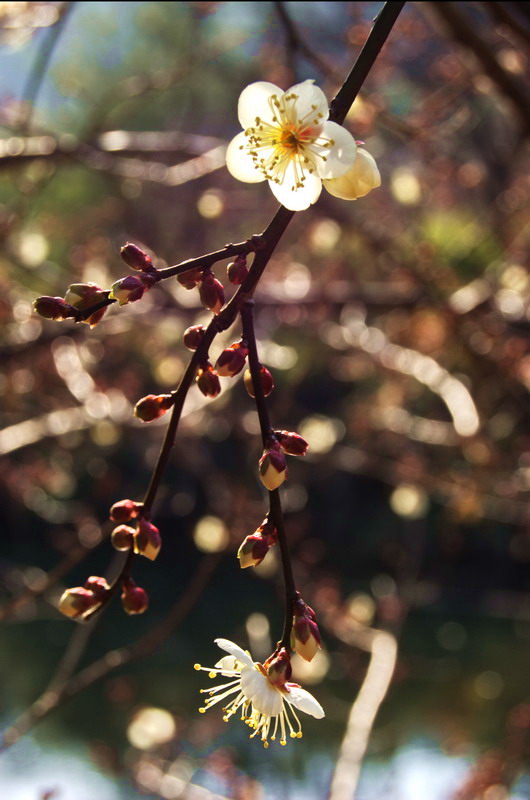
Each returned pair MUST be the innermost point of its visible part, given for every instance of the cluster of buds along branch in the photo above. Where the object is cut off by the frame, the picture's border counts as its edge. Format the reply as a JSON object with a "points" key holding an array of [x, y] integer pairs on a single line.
{"points": [[255, 547], [211, 291], [144, 539]]}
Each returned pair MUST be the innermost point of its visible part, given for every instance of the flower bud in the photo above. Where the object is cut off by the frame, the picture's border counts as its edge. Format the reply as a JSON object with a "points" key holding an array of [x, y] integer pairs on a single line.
{"points": [[122, 537], [360, 179], [267, 382], [291, 443], [136, 258], [193, 336], [53, 308], [128, 289], [212, 293], [98, 586], [153, 406], [232, 360], [305, 636], [84, 295], [253, 550], [278, 668], [147, 541], [125, 510], [207, 381], [272, 468], [190, 278], [134, 599], [77, 602], [237, 270]]}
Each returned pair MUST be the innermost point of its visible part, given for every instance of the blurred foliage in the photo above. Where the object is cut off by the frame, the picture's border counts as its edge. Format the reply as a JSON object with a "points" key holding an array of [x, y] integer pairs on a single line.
{"points": [[396, 328]]}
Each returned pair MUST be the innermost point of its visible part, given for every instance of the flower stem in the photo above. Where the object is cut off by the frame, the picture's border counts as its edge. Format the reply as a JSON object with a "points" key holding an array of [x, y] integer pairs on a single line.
{"points": [[275, 505]]}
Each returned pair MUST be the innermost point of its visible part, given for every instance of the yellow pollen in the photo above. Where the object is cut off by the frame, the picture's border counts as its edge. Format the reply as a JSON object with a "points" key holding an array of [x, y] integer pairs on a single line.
{"points": [[265, 744], [202, 711], [212, 674], [196, 666], [283, 742]]}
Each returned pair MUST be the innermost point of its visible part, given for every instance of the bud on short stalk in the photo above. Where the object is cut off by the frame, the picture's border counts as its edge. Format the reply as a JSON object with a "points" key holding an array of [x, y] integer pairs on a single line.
{"points": [[190, 278], [208, 381], [125, 510], [136, 258], [232, 360], [84, 295], [153, 406], [193, 336], [267, 382], [237, 271], [122, 537], [292, 443], [272, 467], [255, 547], [134, 599], [53, 308], [305, 636], [131, 288], [147, 540], [212, 293]]}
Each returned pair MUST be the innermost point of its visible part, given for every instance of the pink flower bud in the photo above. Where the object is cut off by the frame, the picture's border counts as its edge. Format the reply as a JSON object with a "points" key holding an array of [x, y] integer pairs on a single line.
{"points": [[125, 510], [84, 295], [232, 360], [136, 258], [122, 537], [237, 271], [208, 382], [305, 636], [147, 541], [190, 278], [134, 599], [267, 382], [212, 293], [193, 336], [278, 667], [272, 468], [53, 308], [292, 443], [153, 406], [128, 289]]}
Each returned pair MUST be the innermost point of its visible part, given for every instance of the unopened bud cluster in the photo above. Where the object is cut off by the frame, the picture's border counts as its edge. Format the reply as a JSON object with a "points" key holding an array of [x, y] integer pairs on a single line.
{"points": [[255, 547], [144, 539], [78, 298], [305, 636], [211, 291], [273, 464], [81, 601]]}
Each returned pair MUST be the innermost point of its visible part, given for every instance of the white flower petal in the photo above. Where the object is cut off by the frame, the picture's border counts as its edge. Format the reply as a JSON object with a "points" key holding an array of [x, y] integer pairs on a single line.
{"points": [[358, 181], [228, 665], [265, 698], [239, 162], [304, 701], [235, 651], [311, 101], [254, 102], [340, 156], [297, 199]]}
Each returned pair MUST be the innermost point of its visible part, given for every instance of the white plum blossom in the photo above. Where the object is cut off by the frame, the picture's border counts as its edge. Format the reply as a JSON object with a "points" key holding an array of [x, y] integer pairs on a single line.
{"points": [[288, 140], [263, 705]]}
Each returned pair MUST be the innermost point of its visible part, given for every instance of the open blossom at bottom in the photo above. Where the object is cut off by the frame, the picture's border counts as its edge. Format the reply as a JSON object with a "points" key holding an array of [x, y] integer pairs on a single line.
{"points": [[269, 710]]}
